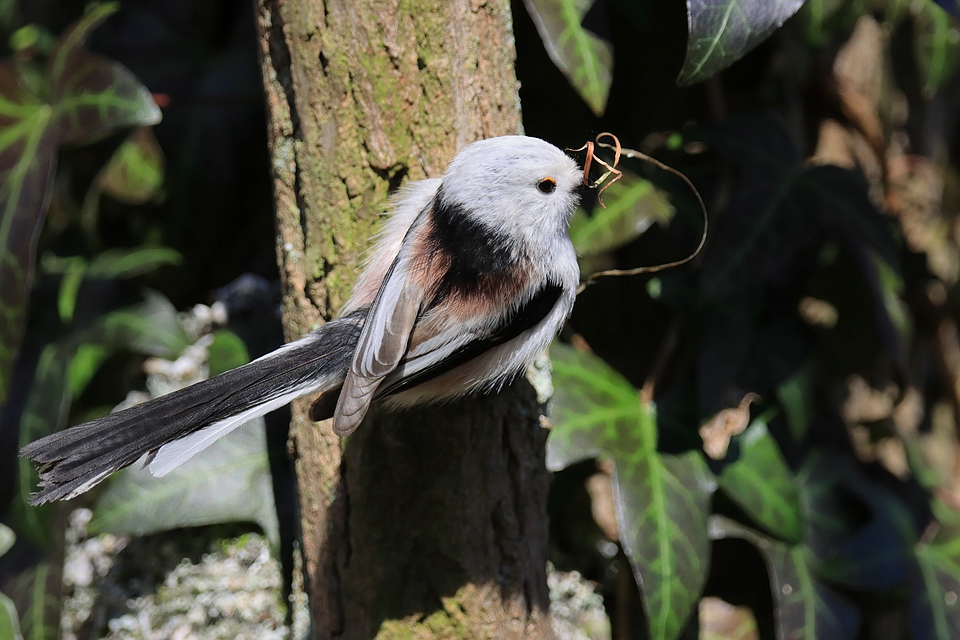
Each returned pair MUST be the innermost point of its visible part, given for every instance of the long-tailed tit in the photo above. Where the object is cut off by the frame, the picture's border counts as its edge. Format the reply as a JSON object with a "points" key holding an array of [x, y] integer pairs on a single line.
{"points": [[473, 274]]}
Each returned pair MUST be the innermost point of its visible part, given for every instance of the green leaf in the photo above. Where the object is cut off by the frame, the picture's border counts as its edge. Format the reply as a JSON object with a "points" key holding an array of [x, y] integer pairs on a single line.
{"points": [[113, 263], [934, 608], [765, 225], [805, 608], [859, 534], [723, 31], [135, 172], [193, 494], [82, 98], [7, 538], [70, 287], [85, 364], [663, 500], [585, 59], [9, 622], [796, 397], [819, 19], [633, 204], [129, 263], [45, 412], [38, 587], [227, 351], [762, 484], [936, 38], [25, 37], [151, 328]]}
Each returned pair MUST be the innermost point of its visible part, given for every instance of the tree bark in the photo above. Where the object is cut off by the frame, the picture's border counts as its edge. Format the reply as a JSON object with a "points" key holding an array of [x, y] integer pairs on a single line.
{"points": [[429, 523]]}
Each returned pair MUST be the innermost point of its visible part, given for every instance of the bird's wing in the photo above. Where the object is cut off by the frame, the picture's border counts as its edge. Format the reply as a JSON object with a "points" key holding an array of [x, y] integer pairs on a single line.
{"points": [[386, 333]]}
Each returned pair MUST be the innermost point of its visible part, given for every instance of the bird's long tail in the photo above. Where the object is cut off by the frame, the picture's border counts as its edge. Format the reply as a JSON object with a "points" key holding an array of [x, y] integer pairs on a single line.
{"points": [[174, 427]]}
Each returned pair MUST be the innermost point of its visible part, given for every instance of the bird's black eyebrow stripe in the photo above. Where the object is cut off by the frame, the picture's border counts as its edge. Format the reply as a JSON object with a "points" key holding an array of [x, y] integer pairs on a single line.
{"points": [[526, 317]]}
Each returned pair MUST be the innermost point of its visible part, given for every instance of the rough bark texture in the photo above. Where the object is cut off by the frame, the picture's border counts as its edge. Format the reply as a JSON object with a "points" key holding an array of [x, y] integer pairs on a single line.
{"points": [[435, 523]]}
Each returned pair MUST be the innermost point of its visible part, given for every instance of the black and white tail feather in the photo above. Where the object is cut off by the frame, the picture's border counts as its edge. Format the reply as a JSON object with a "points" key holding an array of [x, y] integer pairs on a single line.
{"points": [[473, 275], [172, 428]]}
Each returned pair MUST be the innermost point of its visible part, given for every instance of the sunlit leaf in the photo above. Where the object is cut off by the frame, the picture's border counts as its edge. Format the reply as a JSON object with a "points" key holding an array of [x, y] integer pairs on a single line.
{"points": [[135, 172], [723, 31], [806, 609], [934, 602], [584, 58], [80, 97], [193, 494], [129, 263], [593, 407], [85, 364], [7, 538], [950, 6], [936, 40], [633, 204], [662, 500], [762, 484], [227, 351], [9, 621]]}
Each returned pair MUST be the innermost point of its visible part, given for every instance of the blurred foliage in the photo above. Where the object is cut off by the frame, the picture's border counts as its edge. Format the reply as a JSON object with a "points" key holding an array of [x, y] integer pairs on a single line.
{"points": [[73, 98], [83, 184], [776, 423]]}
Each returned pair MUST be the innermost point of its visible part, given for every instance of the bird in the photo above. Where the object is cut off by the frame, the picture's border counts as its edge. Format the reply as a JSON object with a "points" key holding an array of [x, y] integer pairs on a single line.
{"points": [[472, 275]]}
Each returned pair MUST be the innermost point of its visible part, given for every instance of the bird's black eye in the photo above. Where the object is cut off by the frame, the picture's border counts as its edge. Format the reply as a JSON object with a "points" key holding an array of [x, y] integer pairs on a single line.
{"points": [[547, 185]]}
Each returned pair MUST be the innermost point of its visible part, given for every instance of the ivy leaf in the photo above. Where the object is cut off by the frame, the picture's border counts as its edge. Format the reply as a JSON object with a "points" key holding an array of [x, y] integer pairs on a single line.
{"points": [[135, 171], [137, 503], [805, 608], [79, 98], [584, 58], [765, 225], [632, 206], [662, 500], [858, 534], [936, 38], [723, 31], [762, 484]]}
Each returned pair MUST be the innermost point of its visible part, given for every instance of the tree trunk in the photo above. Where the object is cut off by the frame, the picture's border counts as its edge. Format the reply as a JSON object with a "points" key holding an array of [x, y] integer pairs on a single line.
{"points": [[430, 523]]}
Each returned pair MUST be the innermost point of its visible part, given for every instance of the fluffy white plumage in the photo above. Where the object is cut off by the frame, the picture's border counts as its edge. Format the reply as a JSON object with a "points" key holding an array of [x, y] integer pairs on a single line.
{"points": [[471, 276]]}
